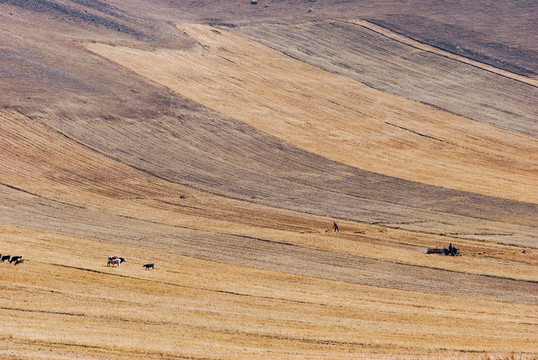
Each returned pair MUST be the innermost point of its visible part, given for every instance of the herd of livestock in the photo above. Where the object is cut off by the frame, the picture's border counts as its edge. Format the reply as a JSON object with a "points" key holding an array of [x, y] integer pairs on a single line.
{"points": [[117, 260], [112, 260], [12, 259]]}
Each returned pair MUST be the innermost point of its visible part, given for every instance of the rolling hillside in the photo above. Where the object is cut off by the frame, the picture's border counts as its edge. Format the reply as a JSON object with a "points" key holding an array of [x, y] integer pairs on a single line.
{"points": [[220, 140]]}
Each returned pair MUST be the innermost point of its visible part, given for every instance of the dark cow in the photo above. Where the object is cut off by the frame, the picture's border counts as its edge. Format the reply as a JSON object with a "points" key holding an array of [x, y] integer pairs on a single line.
{"points": [[149, 266], [15, 258], [4, 258]]}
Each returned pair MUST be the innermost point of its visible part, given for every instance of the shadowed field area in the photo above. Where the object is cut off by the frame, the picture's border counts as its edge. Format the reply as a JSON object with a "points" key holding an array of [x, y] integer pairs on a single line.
{"points": [[219, 142]]}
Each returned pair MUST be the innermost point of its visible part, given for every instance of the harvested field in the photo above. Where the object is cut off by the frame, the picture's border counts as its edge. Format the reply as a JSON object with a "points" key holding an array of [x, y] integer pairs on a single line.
{"points": [[220, 140], [338, 118], [408, 68], [190, 307]]}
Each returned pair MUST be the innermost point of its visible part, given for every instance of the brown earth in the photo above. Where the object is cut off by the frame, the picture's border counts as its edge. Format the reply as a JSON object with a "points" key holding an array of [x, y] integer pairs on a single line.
{"points": [[219, 140]]}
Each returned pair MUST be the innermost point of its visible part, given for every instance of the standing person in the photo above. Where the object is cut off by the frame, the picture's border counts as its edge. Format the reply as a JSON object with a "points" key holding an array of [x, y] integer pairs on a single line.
{"points": [[335, 226]]}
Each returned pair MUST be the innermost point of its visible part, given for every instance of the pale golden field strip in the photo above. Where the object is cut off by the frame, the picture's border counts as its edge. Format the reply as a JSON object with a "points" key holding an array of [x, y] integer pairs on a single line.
{"points": [[338, 118], [66, 300]]}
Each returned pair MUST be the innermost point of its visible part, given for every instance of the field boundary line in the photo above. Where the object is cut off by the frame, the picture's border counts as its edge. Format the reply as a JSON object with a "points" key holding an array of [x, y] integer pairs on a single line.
{"points": [[432, 49]]}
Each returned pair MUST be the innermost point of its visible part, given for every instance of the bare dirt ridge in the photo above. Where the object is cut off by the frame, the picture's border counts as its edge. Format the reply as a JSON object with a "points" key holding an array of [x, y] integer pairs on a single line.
{"points": [[219, 140]]}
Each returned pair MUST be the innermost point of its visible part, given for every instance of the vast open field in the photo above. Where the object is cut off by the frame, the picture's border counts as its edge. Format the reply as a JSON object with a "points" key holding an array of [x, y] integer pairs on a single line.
{"points": [[219, 140]]}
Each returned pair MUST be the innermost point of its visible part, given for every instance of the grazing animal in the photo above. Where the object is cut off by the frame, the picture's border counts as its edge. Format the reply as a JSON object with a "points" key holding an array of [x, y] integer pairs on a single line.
{"points": [[149, 266], [115, 260], [5, 257], [20, 261], [15, 258]]}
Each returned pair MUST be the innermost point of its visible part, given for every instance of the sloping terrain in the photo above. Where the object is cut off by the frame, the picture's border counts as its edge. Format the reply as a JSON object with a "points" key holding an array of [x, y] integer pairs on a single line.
{"points": [[220, 140], [368, 53], [339, 119]]}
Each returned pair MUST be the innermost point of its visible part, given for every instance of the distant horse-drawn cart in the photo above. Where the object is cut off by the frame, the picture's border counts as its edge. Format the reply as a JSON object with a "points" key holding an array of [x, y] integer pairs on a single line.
{"points": [[451, 250]]}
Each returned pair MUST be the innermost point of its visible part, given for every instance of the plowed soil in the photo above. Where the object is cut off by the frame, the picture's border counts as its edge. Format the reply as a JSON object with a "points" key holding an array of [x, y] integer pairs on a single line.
{"points": [[220, 140]]}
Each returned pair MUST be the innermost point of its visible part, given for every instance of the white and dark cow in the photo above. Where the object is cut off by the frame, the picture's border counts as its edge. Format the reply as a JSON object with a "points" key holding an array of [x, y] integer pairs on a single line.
{"points": [[20, 261], [115, 260]]}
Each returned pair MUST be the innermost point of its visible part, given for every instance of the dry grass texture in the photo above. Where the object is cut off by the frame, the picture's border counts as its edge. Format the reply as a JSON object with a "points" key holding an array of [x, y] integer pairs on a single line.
{"points": [[66, 303], [209, 152], [66, 299], [339, 118]]}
